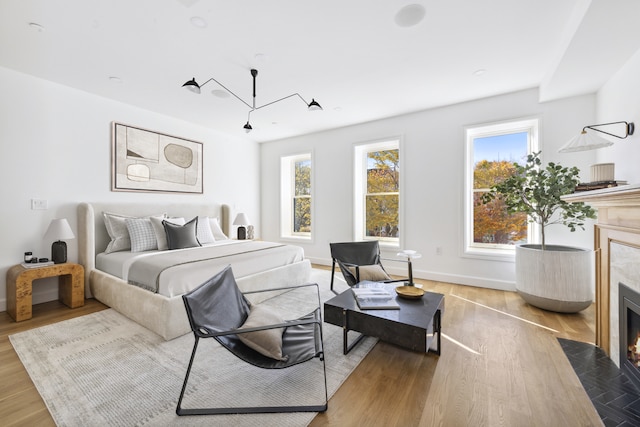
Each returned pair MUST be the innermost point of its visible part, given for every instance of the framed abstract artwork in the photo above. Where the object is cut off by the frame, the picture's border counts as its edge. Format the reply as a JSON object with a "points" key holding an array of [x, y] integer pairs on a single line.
{"points": [[143, 160]]}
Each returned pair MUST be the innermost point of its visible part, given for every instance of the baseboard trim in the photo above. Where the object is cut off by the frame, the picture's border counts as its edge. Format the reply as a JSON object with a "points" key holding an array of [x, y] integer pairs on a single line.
{"points": [[459, 279]]}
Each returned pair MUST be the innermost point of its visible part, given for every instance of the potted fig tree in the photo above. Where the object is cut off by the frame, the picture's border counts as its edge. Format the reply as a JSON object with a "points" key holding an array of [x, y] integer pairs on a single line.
{"points": [[553, 277]]}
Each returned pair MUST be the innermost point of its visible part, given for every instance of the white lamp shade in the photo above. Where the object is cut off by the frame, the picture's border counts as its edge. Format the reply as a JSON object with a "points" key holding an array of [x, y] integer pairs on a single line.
{"points": [[241, 219], [59, 229], [584, 141]]}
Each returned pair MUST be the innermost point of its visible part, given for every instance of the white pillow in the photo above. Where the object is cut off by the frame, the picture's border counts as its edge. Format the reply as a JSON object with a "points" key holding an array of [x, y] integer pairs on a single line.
{"points": [[117, 229], [158, 229], [203, 231], [141, 234], [218, 234]]}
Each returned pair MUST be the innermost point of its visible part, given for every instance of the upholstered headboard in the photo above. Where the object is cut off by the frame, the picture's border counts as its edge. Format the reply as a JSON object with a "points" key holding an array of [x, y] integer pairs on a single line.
{"points": [[92, 233]]}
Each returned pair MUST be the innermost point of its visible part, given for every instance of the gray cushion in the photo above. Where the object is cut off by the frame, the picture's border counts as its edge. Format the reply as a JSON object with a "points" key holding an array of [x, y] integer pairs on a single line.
{"points": [[181, 236]]}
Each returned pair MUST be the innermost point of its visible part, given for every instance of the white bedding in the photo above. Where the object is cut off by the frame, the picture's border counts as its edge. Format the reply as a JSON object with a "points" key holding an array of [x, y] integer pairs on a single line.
{"points": [[247, 258]]}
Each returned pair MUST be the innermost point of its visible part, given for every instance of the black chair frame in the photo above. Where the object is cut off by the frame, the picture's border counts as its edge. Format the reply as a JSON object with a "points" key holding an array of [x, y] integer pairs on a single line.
{"points": [[259, 360]]}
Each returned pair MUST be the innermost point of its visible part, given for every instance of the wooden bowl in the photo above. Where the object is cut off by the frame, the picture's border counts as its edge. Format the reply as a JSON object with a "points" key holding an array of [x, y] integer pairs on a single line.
{"points": [[409, 292]]}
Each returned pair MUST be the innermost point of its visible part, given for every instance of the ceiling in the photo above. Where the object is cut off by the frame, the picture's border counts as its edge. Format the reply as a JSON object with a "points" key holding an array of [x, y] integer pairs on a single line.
{"points": [[350, 56]]}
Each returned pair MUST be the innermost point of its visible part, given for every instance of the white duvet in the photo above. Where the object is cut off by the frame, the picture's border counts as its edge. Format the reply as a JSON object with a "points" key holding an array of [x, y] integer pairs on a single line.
{"points": [[245, 256]]}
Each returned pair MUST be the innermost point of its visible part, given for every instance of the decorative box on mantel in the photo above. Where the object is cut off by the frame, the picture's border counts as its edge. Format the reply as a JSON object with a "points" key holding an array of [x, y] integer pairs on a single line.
{"points": [[603, 172], [617, 246]]}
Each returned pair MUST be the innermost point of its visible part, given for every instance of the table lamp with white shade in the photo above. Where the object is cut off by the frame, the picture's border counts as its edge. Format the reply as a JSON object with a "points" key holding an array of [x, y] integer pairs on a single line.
{"points": [[58, 231], [241, 220]]}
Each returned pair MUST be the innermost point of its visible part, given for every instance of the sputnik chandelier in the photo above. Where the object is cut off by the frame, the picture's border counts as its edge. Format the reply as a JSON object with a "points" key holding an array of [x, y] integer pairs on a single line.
{"points": [[194, 87]]}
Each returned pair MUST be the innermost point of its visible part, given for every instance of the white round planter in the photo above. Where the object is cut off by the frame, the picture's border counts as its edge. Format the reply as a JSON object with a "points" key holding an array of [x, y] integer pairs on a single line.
{"points": [[560, 278]]}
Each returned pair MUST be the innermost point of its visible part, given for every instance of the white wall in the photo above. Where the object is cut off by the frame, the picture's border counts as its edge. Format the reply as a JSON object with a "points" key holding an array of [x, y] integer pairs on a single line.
{"points": [[619, 100], [55, 144], [434, 173]]}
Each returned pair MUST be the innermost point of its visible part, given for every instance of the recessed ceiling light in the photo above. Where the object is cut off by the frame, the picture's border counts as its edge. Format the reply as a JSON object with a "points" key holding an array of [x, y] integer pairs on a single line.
{"points": [[410, 15], [115, 79], [199, 22], [220, 93], [36, 27], [479, 72]]}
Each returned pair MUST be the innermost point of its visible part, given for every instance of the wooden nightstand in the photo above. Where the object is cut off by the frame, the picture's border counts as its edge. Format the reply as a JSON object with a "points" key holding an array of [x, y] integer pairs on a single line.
{"points": [[20, 283]]}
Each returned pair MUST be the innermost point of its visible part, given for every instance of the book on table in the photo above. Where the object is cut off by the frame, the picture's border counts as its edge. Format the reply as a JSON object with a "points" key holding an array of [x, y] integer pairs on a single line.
{"points": [[36, 264], [374, 298]]}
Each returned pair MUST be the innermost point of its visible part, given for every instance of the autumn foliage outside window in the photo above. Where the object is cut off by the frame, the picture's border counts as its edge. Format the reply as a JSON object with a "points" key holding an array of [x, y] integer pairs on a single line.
{"points": [[302, 197], [382, 194], [491, 222], [492, 151], [296, 196]]}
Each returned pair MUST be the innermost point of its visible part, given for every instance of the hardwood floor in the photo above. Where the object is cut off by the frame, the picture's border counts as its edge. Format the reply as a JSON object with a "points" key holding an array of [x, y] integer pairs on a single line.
{"points": [[501, 365]]}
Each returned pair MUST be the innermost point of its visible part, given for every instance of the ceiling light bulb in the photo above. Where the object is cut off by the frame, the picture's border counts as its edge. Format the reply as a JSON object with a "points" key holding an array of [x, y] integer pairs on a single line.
{"points": [[192, 86], [247, 128], [314, 106]]}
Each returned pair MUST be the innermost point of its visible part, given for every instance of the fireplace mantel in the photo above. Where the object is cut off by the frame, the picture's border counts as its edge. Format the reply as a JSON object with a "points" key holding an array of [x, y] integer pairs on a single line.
{"points": [[618, 222], [623, 195]]}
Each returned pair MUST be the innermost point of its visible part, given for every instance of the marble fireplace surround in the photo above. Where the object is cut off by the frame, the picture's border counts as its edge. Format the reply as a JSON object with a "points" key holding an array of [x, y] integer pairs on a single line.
{"points": [[617, 246]]}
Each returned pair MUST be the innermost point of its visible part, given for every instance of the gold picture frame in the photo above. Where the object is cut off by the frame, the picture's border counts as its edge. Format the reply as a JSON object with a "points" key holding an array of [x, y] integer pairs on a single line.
{"points": [[148, 161]]}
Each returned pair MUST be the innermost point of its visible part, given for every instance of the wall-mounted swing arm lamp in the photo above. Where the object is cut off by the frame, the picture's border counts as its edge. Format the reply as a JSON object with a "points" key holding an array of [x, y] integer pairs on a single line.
{"points": [[591, 141], [194, 87]]}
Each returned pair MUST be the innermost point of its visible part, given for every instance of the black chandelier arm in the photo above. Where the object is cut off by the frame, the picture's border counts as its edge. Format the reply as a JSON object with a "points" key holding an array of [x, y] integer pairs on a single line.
{"points": [[282, 99], [228, 90], [629, 129]]}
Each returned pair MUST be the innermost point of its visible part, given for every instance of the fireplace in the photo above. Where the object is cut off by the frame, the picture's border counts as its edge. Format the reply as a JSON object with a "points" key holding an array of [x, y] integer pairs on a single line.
{"points": [[629, 322], [617, 245]]}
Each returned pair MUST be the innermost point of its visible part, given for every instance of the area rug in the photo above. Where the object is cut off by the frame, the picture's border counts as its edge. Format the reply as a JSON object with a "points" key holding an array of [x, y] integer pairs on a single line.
{"points": [[103, 369]]}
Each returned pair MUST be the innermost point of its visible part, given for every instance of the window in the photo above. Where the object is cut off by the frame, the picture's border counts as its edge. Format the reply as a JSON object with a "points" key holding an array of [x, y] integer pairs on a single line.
{"points": [[491, 152], [377, 192], [296, 196]]}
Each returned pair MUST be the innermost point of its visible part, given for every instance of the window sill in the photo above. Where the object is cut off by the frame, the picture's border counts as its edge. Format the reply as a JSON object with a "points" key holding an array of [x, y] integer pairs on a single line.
{"points": [[506, 255]]}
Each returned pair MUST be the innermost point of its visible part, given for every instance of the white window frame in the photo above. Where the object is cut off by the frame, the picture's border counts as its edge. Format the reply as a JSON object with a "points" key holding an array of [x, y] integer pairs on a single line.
{"points": [[360, 189], [287, 194], [487, 250]]}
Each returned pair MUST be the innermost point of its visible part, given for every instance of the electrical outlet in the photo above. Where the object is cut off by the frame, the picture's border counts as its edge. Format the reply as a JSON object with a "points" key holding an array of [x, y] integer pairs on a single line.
{"points": [[39, 204], [439, 250]]}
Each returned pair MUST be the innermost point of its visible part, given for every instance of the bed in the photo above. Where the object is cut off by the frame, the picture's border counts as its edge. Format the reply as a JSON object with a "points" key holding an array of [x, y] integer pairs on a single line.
{"points": [[158, 305]]}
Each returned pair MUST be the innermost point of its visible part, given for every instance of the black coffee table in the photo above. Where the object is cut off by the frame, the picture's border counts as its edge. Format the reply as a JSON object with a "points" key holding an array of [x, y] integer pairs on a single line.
{"points": [[414, 326]]}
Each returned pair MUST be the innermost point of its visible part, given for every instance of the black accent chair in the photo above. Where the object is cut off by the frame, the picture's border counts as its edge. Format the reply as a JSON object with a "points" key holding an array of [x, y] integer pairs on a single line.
{"points": [[217, 308], [352, 256]]}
